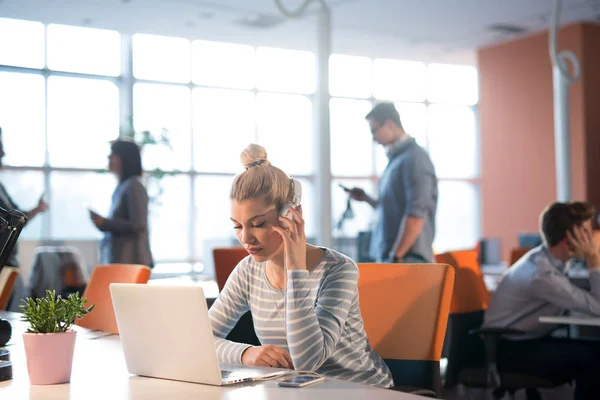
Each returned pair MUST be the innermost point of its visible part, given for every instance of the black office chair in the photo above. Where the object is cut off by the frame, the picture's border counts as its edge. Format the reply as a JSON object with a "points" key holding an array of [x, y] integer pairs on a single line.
{"points": [[473, 355], [243, 331]]}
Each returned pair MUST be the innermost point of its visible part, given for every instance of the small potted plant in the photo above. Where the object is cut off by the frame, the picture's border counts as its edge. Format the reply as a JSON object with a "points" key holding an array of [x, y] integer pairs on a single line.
{"points": [[49, 340]]}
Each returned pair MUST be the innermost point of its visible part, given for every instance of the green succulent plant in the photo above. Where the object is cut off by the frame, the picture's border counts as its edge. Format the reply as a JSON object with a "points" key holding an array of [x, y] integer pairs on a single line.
{"points": [[53, 314]]}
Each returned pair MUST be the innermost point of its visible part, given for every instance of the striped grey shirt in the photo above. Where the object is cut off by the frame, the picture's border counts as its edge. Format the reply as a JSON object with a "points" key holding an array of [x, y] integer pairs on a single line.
{"points": [[323, 331]]}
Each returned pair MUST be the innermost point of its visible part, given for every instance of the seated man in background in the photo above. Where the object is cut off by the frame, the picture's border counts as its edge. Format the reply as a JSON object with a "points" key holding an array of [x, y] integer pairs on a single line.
{"points": [[537, 285]]}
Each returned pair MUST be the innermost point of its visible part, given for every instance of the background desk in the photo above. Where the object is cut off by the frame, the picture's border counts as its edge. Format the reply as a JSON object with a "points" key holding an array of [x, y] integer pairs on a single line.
{"points": [[99, 372], [493, 274], [571, 320]]}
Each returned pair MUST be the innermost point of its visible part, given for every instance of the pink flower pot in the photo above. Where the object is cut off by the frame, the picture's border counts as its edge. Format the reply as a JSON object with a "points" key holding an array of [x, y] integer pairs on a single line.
{"points": [[49, 357]]}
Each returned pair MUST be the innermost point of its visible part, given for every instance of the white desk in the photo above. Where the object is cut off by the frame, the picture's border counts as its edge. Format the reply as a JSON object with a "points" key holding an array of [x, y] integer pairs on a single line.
{"points": [[571, 320], [99, 372], [579, 273]]}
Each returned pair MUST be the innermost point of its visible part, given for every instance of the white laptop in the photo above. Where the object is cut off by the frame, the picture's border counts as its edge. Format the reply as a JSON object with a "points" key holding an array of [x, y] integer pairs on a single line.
{"points": [[166, 333]]}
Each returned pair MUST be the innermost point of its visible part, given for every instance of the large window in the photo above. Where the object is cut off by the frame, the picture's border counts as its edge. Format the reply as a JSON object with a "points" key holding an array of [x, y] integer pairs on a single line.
{"points": [[26, 187], [279, 70], [160, 58], [62, 101], [224, 122], [284, 123], [350, 76], [84, 50], [223, 64], [162, 108], [72, 193], [22, 43], [435, 103], [347, 118], [23, 118], [83, 116], [399, 80], [65, 93]]}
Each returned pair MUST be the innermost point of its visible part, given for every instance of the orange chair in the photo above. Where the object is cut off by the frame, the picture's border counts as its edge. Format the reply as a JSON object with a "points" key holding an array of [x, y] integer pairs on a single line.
{"points": [[98, 293], [8, 277], [470, 293], [470, 299], [225, 260], [516, 253], [596, 235], [405, 310], [467, 361]]}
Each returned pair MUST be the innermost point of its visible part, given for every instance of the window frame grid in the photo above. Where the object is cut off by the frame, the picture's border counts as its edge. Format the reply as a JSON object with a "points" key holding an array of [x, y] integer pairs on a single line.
{"points": [[125, 82], [373, 178]]}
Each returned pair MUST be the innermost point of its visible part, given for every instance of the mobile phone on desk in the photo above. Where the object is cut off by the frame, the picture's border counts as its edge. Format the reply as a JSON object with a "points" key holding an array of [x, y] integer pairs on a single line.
{"points": [[301, 381]]}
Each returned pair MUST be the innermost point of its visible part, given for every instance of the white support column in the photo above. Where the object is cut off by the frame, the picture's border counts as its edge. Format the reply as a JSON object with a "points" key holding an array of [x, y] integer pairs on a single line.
{"points": [[562, 140], [321, 139], [562, 77], [126, 83]]}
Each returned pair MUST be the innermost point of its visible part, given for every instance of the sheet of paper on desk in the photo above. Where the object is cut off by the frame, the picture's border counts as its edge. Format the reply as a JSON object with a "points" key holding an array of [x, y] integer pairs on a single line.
{"points": [[82, 333], [581, 273], [85, 333], [10, 316]]}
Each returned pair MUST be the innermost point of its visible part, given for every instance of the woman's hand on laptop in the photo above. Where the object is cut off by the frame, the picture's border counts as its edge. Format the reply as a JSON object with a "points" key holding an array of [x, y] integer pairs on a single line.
{"points": [[267, 356]]}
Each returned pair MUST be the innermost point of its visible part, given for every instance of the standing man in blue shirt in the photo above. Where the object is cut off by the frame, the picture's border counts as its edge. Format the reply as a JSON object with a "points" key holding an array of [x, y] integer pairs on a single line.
{"points": [[537, 285], [407, 193]]}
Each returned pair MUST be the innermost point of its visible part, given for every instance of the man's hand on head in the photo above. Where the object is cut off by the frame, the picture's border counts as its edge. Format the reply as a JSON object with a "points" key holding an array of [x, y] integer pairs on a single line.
{"points": [[582, 245]]}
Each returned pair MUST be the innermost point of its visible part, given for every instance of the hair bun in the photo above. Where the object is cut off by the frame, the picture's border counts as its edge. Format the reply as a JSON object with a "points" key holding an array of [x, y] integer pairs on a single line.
{"points": [[253, 156]]}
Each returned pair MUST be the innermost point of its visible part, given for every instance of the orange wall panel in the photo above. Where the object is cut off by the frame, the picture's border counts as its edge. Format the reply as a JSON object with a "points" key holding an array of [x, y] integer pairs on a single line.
{"points": [[591, 96], [516, 117]]}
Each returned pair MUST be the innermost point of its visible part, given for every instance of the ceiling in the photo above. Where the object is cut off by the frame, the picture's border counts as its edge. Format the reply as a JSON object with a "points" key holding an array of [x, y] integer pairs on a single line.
{"points": [[426, 30]]}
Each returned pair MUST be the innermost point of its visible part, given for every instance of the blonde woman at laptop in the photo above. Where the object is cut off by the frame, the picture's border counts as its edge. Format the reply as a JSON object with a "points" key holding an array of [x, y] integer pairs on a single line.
{"points": [[303, 298]]}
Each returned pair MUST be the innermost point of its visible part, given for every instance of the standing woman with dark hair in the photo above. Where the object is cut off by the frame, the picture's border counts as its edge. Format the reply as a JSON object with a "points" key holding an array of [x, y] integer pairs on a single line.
{"points": [[126, 239]]}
